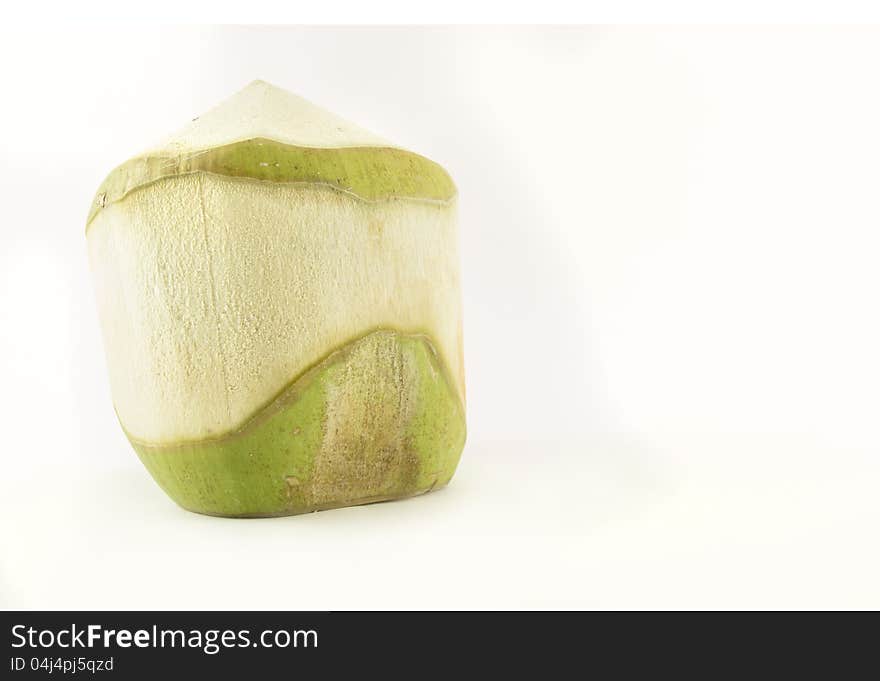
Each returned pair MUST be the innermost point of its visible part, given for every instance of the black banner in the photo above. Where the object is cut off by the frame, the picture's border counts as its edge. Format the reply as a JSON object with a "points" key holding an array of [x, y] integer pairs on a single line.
{"points": [[138, 645]]}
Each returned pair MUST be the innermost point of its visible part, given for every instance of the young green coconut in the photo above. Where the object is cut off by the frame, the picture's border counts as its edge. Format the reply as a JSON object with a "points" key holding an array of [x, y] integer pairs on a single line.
{"points": [[279, 298]]}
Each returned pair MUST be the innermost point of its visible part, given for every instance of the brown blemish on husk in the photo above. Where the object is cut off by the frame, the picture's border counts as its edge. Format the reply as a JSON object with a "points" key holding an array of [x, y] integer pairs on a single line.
{"points": [[365, 452], [292, 483]]}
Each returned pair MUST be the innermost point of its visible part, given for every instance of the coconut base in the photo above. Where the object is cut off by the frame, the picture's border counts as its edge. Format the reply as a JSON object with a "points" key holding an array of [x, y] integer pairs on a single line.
{"points": [[376, 420]]}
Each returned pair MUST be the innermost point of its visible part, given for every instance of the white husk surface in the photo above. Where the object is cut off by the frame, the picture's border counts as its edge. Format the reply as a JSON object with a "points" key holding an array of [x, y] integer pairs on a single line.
{"points": [[215, 292]]}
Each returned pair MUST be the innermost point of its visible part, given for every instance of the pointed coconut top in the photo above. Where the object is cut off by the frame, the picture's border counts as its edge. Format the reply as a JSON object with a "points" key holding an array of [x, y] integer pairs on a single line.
{"points": [[262, 110], [268, 134]]}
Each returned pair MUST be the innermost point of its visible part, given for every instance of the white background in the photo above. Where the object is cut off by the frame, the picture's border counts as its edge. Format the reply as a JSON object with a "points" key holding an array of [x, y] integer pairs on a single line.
{"points": [[670, 240]]}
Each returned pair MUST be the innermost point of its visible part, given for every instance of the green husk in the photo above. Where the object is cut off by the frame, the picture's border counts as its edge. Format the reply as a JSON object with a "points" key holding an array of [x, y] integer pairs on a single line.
{"points": [[369, 173], [378, 419]]}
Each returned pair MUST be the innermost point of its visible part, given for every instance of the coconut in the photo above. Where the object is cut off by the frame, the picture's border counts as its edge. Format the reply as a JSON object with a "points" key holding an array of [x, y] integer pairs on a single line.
{"points": [[279, 298]]}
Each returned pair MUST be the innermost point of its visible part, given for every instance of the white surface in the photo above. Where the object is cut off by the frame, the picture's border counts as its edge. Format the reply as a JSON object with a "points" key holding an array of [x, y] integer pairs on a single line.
{"points": [[599, 525], [669, 246]]}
